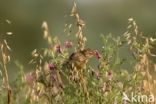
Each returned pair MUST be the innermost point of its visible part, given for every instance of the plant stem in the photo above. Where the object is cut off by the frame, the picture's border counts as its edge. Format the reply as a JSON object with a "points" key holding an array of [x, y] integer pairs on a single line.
{"points": [[5, 72]]}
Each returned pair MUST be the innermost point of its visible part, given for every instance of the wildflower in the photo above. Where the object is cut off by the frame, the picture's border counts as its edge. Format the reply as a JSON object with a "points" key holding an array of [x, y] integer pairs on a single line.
{"points": [[30, 78], [53, 71], [97, 54], [52, 66], [68, 44], [109, 75], [55, 76]]}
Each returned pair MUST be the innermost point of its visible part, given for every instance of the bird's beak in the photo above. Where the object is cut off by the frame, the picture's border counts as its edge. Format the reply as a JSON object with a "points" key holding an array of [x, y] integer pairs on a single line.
{"points": [[97, 54]]}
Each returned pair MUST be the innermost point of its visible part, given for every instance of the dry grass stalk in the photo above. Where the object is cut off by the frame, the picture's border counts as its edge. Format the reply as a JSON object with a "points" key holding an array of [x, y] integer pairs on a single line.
{"points": [[141, 49], [46, 34], [5, 59], [80, 24]]}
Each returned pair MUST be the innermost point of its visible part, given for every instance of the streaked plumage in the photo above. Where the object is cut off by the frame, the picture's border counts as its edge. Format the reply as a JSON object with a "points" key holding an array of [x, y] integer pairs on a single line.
{"points": [[79, 59]]}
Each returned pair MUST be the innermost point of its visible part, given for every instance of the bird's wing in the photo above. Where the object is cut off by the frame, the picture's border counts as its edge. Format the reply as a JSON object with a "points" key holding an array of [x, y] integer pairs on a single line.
{"points": [[77, 57]]}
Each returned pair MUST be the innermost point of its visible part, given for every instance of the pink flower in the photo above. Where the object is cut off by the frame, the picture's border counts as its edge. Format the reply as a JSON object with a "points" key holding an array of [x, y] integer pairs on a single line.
{"points": [[68, 44], [109, 75], [52, 66], [97, 54], [55, 76], [30, 78]]}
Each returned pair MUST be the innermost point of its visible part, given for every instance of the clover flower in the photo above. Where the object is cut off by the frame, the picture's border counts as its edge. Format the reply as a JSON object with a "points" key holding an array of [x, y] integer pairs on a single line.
{"points": [[52, 66]]}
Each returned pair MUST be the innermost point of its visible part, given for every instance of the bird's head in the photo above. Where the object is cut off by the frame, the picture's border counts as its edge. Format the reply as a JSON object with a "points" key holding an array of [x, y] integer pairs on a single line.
{"points": [[88, 52]]}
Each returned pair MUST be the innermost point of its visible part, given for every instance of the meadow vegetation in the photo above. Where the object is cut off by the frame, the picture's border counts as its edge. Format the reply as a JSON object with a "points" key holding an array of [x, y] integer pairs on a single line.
{"points": [[52, 82]]}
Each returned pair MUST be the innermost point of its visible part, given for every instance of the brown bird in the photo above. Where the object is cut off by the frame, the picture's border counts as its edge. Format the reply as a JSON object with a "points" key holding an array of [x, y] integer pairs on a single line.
{"points": [[79, 59], [76, 63]]}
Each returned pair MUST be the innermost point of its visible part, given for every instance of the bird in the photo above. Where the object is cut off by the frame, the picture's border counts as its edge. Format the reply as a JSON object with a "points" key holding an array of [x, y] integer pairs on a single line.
{"points": [[75, 65], [80, 58]]}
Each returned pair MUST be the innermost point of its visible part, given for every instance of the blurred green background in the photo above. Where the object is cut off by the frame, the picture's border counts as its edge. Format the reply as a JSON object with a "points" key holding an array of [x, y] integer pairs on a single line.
{"points": [[101, 16]]}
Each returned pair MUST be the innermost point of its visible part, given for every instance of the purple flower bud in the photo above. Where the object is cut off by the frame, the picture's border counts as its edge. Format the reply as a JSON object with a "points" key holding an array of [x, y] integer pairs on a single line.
{"points": [[52, 66], [68, 44]]}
